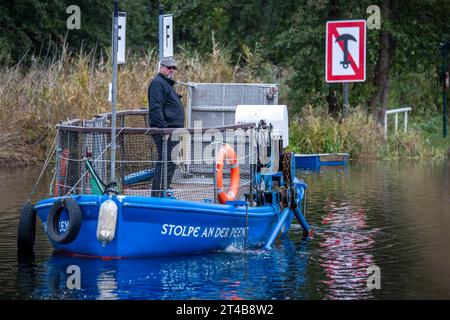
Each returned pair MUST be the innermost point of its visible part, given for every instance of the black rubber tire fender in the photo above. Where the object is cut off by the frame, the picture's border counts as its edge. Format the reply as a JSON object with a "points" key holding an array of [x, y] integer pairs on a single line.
{"points": [[26, 230], [74, 220]]}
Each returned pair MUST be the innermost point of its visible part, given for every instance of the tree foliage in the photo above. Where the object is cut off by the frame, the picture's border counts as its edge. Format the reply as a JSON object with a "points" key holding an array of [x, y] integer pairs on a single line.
{"points": [[287, 34]]}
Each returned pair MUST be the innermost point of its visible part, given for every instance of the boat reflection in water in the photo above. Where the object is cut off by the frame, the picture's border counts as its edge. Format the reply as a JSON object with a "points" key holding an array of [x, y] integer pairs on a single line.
{"points": [[346, 251], [231, 275]]}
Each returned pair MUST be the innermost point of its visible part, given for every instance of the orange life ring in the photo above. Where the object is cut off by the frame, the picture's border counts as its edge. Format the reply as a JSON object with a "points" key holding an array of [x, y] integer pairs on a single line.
{"points": [[226, 153]]}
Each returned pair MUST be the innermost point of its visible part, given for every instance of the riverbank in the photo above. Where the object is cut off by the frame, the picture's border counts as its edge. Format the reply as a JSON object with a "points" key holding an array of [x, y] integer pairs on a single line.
{"points": [[16, 150], [357, 135], [17, 159], [313, 131]]}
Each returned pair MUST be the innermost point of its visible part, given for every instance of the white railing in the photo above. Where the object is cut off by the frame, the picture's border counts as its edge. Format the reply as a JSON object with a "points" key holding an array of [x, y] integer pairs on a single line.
{"points": [[396, 112]]}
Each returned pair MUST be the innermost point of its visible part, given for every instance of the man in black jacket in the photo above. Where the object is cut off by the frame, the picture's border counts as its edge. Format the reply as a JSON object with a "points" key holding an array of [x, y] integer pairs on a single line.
{"points": [[165, 111]]}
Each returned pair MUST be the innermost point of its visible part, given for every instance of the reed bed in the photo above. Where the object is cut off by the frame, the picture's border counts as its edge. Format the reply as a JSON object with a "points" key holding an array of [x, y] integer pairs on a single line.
{"points": [[33, 99], [314, 131]]}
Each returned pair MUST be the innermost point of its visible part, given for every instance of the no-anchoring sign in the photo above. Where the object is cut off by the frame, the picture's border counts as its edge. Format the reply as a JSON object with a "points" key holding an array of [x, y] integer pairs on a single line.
{"points": [[345, 57]]}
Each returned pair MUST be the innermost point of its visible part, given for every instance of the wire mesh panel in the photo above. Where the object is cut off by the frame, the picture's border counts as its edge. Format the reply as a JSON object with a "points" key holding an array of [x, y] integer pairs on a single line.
{"points": [[195, 179], [215, 103], [69, 166], [96, 143], [150, 162]]}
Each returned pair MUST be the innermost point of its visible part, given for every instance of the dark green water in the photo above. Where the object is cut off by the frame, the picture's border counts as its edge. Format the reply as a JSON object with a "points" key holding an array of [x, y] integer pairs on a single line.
{"points": [[393, 215]]}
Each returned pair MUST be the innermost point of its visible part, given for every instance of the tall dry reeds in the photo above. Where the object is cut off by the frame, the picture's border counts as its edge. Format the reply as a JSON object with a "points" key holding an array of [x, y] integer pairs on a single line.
{"points": [[35, 98]]}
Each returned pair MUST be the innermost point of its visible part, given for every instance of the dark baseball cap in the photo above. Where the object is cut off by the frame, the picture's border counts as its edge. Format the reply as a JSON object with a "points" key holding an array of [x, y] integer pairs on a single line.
{"points": [[169, 62]]}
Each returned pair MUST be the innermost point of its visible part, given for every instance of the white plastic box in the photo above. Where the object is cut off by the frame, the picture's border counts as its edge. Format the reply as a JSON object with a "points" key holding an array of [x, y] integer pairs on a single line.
{"points": [[276, 115]]}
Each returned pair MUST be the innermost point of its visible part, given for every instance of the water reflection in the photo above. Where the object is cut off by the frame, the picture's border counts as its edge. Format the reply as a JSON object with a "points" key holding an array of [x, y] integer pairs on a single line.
{"points": [[392, 214], [230, 276], [107, 286], [346, 251]]}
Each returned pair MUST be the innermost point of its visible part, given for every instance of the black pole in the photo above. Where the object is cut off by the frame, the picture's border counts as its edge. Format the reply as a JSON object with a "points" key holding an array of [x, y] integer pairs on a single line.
{"points": [[160, 35], [114, 91], [445, 47], [346, 104]]}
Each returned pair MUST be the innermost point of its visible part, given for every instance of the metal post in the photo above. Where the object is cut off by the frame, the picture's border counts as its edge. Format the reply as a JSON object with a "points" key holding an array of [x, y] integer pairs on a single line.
{"points": [[396, 123], [161, 13], [164, 151], [215, 172], [346, 104], [385, 125], [444, 91], [251, 162], [406, 121], [122, 149], [281, 218], [65, 155], [190, 90], [58, 164], [246, 228], [114, 91]]}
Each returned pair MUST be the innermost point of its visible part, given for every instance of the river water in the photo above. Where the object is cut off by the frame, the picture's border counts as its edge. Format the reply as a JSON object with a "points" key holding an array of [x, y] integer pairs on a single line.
{"points": [[381, 231]]}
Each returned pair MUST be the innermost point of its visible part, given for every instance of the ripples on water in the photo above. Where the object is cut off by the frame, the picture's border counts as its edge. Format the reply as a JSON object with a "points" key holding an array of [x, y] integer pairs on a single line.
{"points": [[344, 248], [392, 215]]}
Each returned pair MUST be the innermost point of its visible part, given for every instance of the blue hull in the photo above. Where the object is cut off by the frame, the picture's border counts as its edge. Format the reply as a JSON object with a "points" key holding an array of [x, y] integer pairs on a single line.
{"points": [[160, 226]]}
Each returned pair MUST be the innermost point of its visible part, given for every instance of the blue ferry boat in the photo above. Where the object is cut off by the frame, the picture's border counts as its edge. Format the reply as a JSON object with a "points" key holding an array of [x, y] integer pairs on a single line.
{"points": [[233, 198], [121, 189]]}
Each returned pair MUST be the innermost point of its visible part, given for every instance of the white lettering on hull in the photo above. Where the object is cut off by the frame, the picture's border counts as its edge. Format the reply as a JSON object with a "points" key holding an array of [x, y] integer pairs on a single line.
{"points": [[202, 232]]}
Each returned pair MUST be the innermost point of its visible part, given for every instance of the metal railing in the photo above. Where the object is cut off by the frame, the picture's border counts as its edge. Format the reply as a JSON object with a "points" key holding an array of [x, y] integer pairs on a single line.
{"points": [[396, 112]]}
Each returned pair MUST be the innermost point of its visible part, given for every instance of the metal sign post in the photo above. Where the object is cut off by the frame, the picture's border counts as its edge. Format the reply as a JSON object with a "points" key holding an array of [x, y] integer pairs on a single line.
{"points": [[444, 91], [445, 46], [345, 54], [114, 91], [161, 13], [346, 104]]}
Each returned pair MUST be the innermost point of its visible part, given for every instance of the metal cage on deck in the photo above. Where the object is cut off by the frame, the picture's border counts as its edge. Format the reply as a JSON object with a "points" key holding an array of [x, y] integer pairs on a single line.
{"points": [[149, 161]]}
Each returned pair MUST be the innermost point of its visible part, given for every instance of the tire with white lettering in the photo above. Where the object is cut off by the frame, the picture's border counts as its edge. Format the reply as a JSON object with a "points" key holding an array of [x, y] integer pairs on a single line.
{"points": [[26, 229], [74, 220]]}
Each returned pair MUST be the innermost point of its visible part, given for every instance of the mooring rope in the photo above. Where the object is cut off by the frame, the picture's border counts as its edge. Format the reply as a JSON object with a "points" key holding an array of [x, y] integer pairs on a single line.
{"points": [[44, 167]]}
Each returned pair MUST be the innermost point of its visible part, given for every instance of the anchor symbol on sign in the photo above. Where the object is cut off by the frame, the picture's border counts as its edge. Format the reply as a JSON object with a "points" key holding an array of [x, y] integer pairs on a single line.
{"points": [[346, 38]]}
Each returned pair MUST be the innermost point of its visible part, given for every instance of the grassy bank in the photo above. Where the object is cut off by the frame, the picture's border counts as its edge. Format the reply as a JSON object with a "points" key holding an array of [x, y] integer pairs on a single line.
{"points": [[34, 99], [359, 135]]}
